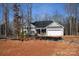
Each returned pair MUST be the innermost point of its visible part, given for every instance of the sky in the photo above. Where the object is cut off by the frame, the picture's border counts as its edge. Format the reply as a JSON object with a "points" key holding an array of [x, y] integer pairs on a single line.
{"points": [[39, 9], [47, 8]]}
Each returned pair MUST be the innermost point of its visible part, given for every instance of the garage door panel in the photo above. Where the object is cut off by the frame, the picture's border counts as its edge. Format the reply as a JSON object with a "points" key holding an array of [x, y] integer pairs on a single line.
{"points": [[55, 33]]}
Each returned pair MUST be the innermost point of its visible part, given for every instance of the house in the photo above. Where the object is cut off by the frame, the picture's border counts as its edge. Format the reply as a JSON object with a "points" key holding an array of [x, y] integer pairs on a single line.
{"points": [[46, 28]]}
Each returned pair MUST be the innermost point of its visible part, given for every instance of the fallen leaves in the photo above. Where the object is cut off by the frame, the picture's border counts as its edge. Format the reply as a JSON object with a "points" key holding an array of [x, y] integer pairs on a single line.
{"points": [[38, 48]]}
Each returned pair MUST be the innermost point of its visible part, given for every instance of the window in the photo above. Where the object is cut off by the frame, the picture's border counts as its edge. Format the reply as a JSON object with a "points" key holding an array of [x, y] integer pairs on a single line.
{"points": [[43, 30], [38, 31]]}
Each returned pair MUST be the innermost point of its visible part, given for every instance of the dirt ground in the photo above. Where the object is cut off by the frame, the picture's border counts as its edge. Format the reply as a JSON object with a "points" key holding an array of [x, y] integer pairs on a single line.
{"points": [[67, 47]]}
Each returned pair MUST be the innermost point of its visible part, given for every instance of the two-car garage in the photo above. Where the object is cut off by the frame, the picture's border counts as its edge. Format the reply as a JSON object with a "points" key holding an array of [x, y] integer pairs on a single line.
{"points": [[55, 30]]}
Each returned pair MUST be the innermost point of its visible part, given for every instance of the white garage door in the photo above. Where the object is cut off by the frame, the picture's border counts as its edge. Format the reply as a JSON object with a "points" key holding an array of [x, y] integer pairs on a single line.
{"points": [[55, 33]]}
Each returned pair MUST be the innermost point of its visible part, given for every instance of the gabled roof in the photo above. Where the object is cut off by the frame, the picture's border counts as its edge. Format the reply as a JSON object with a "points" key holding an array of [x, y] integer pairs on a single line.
{"points": [[41, 24], [55, 24]]}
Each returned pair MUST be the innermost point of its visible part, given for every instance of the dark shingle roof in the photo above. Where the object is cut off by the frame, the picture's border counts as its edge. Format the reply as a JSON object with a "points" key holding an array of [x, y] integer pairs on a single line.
{"points": [[42, 23]]}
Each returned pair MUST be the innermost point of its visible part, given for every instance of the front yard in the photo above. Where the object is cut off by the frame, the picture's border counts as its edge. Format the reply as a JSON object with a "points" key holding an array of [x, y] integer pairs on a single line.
{"points": [[38, 48]]}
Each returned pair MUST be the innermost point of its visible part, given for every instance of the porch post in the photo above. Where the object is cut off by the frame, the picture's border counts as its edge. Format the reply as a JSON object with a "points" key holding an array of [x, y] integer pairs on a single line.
{"points": [[40, 30]]}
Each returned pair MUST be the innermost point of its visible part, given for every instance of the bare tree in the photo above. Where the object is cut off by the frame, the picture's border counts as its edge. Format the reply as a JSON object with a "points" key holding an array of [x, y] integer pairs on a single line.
{"points": [[17, 19], [57, 17], [29, 14], [6, 19], [72, 10]]}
